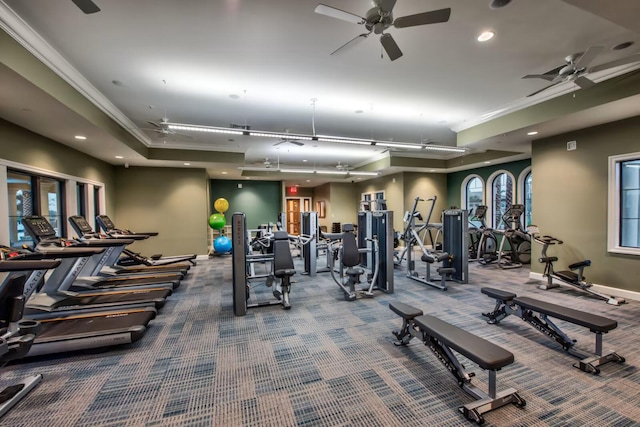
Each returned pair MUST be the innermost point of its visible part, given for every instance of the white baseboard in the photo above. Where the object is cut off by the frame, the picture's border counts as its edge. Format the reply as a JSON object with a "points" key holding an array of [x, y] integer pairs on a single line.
{"points": [[202, 257], [607, 290]]}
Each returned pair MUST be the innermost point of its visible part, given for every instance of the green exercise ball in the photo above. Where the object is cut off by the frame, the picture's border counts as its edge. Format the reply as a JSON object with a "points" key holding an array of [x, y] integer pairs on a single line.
{"points": [[217, 221]]}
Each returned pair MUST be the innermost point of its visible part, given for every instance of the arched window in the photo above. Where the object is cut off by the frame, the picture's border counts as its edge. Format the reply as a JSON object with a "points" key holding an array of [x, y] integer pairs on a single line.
{"points": [[502, 191], [473, 193], [527, 190]]}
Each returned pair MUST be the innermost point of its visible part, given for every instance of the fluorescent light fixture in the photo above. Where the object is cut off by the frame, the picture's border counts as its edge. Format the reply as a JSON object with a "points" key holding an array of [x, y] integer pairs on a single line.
{"points": [[320, 138], [441, 148], [223, 172], [327, 172], [187, 164], [533, 132], [363, 173], [80, 137], [486, 36], [209, 129], [296, 171], [396, 145]]}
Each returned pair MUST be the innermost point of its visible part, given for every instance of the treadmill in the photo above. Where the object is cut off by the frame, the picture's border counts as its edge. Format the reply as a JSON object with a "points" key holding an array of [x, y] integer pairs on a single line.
{"points": [[58, 291], [109, 227], [63, 332], [84, 230]]}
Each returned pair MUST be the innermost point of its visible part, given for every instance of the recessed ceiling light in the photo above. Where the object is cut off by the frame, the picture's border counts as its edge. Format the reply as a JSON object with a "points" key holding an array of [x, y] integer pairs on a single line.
{"points": [[359, 111], [485, 36], [304, 160], [223, 172], [247, 178], [187, 164], [487, 162], [119, 157], [80, 137], [234, 96], [297, 185], [308, 180], [533, 132]]}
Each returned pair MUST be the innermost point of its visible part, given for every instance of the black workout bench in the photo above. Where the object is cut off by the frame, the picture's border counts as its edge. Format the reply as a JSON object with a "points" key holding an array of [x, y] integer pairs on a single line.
{"points": [[441, 338], [537, 313]]}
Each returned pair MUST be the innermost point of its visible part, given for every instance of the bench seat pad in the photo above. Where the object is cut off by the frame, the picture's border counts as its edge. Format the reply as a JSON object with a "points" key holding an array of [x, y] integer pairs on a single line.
{"points": [[405, 311], [498, 294], [486, 354], [592, 321]]}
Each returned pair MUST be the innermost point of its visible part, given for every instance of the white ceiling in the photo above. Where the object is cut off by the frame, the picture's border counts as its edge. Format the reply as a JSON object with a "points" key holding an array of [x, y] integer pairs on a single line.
{"points": [[260, 63]]}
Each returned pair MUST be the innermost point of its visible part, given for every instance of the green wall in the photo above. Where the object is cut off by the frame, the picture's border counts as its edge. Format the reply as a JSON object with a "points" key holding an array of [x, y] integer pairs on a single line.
{"points": [[171, 201], [22, 146], [454, 180], [261, 201], [570, 199]]}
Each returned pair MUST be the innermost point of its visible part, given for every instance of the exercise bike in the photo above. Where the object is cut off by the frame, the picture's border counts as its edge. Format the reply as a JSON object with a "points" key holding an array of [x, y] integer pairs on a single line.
{"points": [[574, 276]]}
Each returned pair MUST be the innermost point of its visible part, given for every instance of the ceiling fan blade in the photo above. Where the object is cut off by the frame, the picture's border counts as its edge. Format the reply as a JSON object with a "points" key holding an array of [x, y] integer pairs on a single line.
{"points": [[386, 5], [351, 43], [618, 62], [87, 6], [584, 82], [547, 77], [154, 124], [323, 9], [298, 143], [588, 56], [543, 89], [433, 17], [390, 46]]}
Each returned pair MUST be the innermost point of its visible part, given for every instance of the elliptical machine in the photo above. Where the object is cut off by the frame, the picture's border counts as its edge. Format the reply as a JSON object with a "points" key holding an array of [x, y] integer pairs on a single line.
{"points": [[487, 247], [574, 276], [515, 246]]}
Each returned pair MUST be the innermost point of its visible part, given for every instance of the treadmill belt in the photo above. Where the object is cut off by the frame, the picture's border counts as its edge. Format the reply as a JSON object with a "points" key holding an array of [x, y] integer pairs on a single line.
{"points": [[91, 324], [115, 297]]}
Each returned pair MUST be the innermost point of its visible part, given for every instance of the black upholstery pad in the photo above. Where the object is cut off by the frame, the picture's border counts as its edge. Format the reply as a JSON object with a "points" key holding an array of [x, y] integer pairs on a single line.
{"points": [[592, 321], [405, 311], [498, 294], [486, 354]]}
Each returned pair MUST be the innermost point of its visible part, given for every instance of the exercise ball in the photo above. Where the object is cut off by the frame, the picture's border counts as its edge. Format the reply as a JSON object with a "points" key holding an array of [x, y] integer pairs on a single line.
{"points": [[221, 205], [222, 244], [217, 221]]}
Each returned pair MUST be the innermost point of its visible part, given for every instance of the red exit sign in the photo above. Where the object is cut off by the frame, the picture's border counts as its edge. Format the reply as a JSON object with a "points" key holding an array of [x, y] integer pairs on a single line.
{"points": [[293, 190]]}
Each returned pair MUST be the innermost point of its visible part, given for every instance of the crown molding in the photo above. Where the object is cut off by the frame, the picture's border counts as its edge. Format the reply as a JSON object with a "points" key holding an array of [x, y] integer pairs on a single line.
{"points": [[28, 38]]}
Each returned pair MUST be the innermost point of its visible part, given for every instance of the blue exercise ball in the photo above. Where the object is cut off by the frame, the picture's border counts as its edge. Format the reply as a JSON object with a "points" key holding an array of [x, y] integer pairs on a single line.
{"points": [[222, 244]]}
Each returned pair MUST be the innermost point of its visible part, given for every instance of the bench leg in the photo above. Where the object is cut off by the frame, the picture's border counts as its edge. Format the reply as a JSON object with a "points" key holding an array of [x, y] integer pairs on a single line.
{"points": [[404, 335], [499, 312], [591, 364]]}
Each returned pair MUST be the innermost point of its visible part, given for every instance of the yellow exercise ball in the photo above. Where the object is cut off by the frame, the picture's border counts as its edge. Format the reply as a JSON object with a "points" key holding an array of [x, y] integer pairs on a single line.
{"points": [[221, 205]]}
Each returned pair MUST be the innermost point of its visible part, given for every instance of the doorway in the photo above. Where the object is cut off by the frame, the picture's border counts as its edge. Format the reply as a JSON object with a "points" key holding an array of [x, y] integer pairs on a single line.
{"points": [[295, 205]]}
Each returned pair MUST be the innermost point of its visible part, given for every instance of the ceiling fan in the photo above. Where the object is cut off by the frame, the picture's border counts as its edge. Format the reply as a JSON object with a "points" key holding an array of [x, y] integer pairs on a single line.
{"points": [[380, 18], [576, 68], [290, 141], [87, 6], [162, 128]]}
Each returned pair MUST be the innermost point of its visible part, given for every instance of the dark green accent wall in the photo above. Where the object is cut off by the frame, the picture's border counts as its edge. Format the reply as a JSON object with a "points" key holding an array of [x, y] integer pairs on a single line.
{"points": [[454, 180], [261, 201]]}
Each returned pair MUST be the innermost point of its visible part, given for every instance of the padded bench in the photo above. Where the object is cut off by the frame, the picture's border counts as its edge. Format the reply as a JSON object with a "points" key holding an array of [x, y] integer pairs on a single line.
{"points": [[442, 337], [537, 313]]}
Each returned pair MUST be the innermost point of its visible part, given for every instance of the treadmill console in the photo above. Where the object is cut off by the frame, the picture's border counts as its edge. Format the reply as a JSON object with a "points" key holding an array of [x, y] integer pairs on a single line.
{"points": [[106, 223], [80, 224], [38, 227]]}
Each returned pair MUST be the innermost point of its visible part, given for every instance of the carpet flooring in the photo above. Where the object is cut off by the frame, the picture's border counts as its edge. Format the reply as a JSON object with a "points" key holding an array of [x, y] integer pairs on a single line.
{"points": [[330, 362]]}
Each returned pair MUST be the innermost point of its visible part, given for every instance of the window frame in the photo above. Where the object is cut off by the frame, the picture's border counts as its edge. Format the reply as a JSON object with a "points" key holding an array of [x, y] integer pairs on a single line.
{"points": [[463, 190], [489, 192], [614, 200], [522, 182]]}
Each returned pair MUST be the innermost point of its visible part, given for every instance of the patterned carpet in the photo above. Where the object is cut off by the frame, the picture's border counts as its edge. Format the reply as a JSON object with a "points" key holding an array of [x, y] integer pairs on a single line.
{"points": [[329, 362]]}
